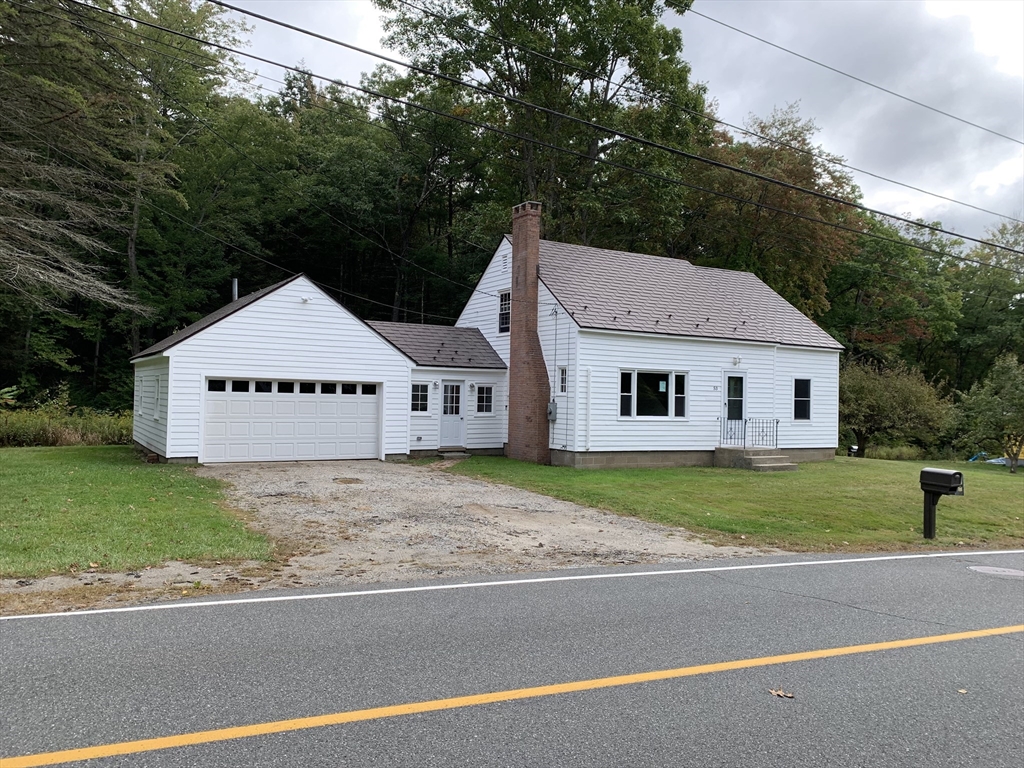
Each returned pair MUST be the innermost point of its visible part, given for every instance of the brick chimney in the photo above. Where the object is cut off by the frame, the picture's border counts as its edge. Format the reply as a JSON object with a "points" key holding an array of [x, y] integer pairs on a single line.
{"points": [[529, 390]]}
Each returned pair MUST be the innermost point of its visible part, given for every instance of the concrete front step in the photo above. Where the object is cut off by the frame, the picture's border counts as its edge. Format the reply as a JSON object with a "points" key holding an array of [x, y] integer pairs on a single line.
{"points": [[775, 467], [757, 459]]}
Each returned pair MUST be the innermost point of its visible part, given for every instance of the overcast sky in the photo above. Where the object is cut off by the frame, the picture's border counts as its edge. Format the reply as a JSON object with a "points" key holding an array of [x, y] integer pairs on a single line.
{"points": [[965, 58]]}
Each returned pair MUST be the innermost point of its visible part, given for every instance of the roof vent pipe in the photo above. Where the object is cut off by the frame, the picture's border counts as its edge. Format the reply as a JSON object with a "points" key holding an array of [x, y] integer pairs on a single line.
{"points": [[234, 289]]}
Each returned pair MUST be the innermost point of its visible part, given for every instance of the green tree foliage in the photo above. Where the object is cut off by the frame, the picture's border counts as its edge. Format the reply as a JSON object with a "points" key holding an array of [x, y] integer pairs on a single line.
{"points": [[895, 403], [607, 61], [991, 415], [891, 299], [748, 228]]}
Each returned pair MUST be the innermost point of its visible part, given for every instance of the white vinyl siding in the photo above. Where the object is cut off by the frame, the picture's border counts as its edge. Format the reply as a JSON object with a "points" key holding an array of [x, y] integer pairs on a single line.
{"points": [[149, 420], [822, 368], [280, 337], [768, 372], [483, 430], [481, 311], [558, 333]]}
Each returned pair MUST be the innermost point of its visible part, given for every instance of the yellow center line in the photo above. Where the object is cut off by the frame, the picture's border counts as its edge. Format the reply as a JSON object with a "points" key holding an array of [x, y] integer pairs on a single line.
{"points": [[338, 718]]}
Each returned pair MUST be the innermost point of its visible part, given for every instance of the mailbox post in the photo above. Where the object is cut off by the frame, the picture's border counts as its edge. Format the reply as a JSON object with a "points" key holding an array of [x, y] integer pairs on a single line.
{"points": [[937, 483]]}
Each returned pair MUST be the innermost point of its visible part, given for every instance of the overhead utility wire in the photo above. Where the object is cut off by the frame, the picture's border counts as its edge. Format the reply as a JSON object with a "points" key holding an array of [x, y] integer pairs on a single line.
{"points": [[243, 154], [602, 161], [854, 77], [754, 134], [611, 131], [795, 240]]}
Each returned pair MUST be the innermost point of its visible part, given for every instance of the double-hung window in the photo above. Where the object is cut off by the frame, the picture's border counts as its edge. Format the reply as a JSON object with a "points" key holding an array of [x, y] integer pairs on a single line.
{"points": [[802, 399], [563, 381], [504, 311], [652, 394]]}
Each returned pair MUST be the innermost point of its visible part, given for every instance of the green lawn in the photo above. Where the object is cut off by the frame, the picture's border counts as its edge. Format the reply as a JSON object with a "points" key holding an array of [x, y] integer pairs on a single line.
{"points": [[65, 509], [842, 505]]}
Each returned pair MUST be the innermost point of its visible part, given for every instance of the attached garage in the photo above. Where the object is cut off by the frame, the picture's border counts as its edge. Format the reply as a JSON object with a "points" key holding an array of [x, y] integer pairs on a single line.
{"points": [[258, 420], [284, 374]]}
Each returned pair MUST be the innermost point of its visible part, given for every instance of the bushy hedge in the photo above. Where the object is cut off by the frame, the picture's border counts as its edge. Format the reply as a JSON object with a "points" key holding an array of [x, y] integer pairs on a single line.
{"points": [[57, 422]]}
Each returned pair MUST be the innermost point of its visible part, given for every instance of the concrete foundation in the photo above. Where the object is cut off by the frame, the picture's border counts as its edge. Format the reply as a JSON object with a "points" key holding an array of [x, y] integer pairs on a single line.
{"points": [[652, 459]]}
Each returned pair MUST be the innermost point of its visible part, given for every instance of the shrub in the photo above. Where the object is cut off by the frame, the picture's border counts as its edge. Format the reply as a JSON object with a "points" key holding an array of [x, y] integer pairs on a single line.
{"points": [[56, 422]]}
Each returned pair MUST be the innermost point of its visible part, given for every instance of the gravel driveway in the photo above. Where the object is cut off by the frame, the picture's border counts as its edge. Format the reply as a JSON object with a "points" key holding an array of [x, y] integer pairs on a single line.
{"points": [[371, 521], [346, 523]]}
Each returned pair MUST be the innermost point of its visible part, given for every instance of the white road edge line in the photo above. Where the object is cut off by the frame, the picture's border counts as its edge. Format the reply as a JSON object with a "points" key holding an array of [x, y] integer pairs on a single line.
{"points": [[505, 583]]}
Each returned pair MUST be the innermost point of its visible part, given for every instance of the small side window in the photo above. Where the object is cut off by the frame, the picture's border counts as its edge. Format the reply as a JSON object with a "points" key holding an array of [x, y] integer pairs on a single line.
{"points": [[264, 386], [285, 387], [485, 399], [328, 389], [563, 380], [369, 389], [626, 393], [348, 389], [420, 398], [216, 385], [679, 410], [307, 388], [239, 386]]}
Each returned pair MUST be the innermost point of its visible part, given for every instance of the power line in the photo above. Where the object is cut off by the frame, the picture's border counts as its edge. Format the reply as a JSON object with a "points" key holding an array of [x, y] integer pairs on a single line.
{"points": [[852, 77], [611, 131], [580, 155], [754, 134]]}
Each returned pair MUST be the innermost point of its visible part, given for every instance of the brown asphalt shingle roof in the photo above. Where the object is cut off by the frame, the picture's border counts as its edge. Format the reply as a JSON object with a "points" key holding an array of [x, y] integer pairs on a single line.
{"points": [[218, 314], [616, 290], [440, 345]]}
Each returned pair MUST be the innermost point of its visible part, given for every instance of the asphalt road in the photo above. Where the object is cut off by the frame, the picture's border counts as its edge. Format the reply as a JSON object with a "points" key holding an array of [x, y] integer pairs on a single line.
{"points": [[77, 681]]}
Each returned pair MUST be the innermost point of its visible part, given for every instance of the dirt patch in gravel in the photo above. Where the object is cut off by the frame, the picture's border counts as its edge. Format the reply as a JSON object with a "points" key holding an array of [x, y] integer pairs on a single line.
{"points": [[345, 523]]}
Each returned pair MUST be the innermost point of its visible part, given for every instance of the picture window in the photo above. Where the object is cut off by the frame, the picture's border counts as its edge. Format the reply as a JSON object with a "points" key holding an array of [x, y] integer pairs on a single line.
{"points": [[216, 385], [652, 394], [239, 386]]}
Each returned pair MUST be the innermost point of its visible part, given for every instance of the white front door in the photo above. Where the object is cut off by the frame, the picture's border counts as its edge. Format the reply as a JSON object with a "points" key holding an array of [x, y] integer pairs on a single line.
{"points": [[453, 424], [733, 409]]}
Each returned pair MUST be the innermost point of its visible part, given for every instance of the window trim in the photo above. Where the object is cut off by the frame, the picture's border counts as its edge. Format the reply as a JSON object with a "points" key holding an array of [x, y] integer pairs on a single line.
{"points": [[809, 399], [563, 380], [670, 417], [505, 297]]}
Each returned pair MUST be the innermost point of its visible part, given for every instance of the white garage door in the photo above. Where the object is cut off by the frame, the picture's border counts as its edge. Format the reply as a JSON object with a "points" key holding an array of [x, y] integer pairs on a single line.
{"points": [[258, 420]]}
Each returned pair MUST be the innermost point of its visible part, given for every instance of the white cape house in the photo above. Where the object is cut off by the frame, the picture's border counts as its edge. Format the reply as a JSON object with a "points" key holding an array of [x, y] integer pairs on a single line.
{"points": [[563, 354]]}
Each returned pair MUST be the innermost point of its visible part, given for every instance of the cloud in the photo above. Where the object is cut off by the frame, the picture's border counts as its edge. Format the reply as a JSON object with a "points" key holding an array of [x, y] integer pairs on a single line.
{"points": [[900, 46]]}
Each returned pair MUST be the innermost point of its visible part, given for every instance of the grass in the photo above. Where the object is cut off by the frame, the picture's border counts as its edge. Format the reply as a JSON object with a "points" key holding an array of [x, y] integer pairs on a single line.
{"points": [[70, 509], [843, 505]]}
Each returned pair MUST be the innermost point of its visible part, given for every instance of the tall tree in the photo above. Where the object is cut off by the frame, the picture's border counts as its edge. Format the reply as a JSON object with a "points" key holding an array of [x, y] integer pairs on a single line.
{"points": [[608, 62], [991, 415]]}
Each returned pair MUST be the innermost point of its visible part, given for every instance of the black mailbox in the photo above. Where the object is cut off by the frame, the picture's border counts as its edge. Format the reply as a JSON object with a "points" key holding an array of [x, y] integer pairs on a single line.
{"points": [[943, 481], [937, 483]]}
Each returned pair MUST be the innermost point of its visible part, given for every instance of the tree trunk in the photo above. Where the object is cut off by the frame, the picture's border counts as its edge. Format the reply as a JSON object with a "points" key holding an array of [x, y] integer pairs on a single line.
{"points": [[862, 443]]}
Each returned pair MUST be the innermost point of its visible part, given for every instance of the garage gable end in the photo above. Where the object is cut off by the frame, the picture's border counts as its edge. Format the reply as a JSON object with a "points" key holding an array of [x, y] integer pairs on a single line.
{"points": [[299, 336]]}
